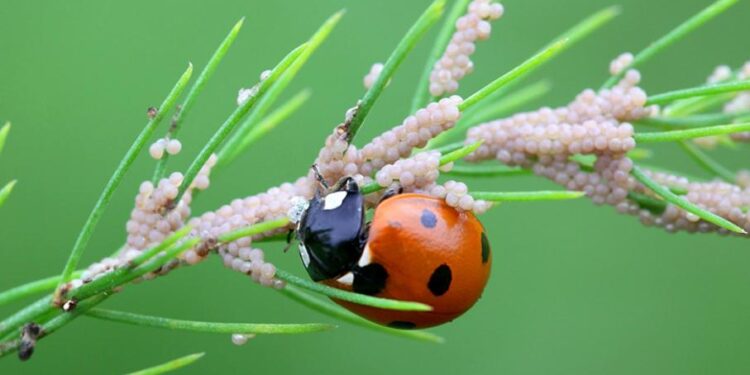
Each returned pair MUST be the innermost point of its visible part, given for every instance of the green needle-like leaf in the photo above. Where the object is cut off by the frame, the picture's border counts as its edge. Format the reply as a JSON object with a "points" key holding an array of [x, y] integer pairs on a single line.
{"points": [[516, 73], [234, 145], [170, 366], [254, 229], [683, 203], [492, 111], [526, 196], [4, 135], [707, 90], [449, 157], [114, 181], [231, 122], [679, 135], [5, 191], [707, 119], [438, 48], [487, 171], [270, 122], [407, 43], [207, 327], [195, 90], [30, 289], [710, 165], [339, 313], [357, 298], [673, 36]]}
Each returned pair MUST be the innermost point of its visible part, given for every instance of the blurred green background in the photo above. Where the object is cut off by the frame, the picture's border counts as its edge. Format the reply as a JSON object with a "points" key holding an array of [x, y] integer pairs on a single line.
{"points": [[576, 289]]}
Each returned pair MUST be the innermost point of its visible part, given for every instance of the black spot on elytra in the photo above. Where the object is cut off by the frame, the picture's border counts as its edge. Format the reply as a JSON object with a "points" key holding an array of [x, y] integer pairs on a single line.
{"points": [[485, 248], [402, 324], [428, 219], [440, 280], [369, 279]]}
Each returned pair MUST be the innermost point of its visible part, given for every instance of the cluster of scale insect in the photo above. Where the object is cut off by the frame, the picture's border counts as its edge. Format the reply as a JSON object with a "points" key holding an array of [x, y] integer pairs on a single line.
{"points": [[456, 61]]}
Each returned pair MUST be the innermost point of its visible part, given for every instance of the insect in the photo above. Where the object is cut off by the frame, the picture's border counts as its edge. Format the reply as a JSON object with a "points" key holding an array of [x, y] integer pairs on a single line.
{"points": [[416, 248]]}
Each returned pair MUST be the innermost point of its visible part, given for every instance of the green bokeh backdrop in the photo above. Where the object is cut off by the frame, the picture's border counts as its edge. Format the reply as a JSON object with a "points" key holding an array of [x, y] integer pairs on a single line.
{"points": [[576, 289]]}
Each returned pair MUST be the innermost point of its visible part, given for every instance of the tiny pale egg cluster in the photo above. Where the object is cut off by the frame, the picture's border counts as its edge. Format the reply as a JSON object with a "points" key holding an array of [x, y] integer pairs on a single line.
{"points": [[170, 146], [372, 75], [456, 62]]}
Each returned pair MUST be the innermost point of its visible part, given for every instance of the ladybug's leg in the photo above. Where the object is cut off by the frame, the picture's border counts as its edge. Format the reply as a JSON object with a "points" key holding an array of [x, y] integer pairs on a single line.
{"points": [[392, 191], [319, 177], [288, 240]]}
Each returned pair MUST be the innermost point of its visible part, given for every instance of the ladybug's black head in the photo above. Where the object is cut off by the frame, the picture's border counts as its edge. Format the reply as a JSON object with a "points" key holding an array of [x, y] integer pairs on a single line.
{"points": [[332, 231]]}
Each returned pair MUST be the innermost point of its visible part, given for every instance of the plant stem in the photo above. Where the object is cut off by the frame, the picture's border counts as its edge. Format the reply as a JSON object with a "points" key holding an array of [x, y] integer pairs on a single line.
{"points": [[339, 313], [206, 327], [195, 90], [357, 298], [673, 36], [516, 73], [407, 43], [706, 90], [710, 165], [231, 122], [114, 181], [683, 203], [27, 314], [234, 144], [421, 96], [170, 366], [656, 206], [526, 196]]}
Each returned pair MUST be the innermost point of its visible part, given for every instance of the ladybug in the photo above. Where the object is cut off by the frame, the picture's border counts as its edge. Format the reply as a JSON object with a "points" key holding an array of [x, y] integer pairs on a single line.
{"points": [[416, 248]]}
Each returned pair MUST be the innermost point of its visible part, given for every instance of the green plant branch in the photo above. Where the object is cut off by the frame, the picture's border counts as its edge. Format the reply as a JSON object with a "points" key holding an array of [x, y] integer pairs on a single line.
{"points": [[673, 36], [706, 162], [357, 298], [235, 143], [422, 95], [195, 90], [172, 365], [707, 90], [231, 122], [31, 288], [268, 123], [114, 181], [683, 203], [491, 111], [206, 327], [339, 313], [516, 73], [407, 43]]}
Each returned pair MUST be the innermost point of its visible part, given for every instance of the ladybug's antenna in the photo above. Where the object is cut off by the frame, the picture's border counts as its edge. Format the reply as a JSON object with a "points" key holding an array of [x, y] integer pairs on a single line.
{"points": [[321, 180]]}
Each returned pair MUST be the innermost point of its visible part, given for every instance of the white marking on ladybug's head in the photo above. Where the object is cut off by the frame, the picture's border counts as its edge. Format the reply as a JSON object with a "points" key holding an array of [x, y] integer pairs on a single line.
{"points": [[333, 201], [347, 279], [304, 254], [366, 257], [299, 205]]}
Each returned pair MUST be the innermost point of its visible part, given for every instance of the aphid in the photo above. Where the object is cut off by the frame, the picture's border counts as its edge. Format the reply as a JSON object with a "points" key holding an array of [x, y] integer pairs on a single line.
{"points": [[416, 248], [29, 334]]}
